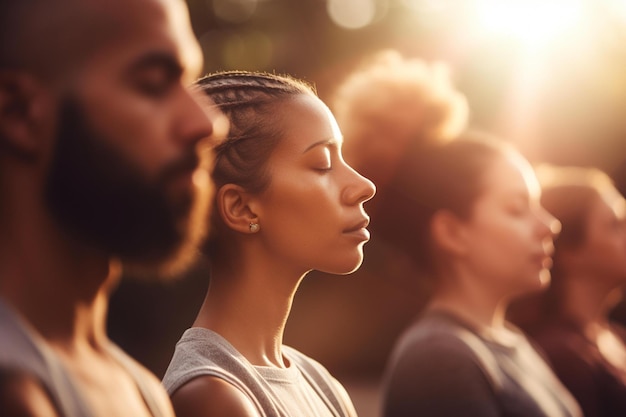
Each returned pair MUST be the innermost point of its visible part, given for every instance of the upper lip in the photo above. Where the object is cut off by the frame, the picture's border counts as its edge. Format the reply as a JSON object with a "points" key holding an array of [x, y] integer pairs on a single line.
{"points": [[361, 224], [542, 256], [185, 166]]}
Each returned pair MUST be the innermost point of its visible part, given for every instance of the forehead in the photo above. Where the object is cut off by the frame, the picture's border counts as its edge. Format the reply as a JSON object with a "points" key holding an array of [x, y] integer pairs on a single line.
{"points": [[510, 175], [305, 121], [130, 29]]}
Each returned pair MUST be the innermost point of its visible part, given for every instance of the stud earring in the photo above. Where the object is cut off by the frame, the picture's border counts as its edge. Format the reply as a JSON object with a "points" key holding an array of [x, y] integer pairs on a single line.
{"points": [[254, 227]]}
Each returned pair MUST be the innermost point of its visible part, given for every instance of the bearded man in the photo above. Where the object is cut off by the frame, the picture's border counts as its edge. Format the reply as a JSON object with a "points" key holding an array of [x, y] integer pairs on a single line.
{"points": [[104, 163]]}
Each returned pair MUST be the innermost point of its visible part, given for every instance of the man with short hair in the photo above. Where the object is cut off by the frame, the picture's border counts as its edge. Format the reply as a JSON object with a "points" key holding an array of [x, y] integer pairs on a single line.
{"points": [[104, 163]]}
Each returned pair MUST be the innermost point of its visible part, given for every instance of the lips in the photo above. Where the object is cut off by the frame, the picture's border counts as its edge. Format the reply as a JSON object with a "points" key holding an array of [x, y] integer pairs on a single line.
{"points": [[358, 231], [362, 224], [544, 260], [547, 262], [185, 167]]}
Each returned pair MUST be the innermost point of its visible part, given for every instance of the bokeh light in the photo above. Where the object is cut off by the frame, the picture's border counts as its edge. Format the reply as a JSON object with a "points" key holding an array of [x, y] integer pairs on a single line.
{"points": [[242, 49], [235, 11], [352, 14]]}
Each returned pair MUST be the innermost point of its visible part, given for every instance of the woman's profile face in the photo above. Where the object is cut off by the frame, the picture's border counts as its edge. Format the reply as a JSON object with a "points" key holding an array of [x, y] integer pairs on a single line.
{"points": [[311, 215], [510, 233], [603, 252]]}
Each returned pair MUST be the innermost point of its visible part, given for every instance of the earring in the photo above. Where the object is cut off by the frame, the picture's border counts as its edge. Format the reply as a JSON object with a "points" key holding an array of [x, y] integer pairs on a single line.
{"points": [[254, 227]]}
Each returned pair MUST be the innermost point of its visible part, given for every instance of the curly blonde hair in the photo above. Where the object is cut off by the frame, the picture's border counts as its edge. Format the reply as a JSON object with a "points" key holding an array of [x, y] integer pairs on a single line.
{"points": [[389, 103]]}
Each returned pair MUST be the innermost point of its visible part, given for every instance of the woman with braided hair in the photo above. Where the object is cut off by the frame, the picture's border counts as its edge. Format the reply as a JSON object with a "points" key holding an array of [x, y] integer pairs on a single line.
{"points": [[286, 203]]}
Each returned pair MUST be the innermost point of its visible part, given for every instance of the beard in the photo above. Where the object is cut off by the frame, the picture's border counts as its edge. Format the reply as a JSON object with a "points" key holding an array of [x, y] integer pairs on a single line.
{"points": [[103, 199]]}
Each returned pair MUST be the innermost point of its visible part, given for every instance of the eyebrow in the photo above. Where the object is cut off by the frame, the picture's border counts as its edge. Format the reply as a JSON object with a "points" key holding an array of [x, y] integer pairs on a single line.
{"points": [[158, 59], [326, 142]]}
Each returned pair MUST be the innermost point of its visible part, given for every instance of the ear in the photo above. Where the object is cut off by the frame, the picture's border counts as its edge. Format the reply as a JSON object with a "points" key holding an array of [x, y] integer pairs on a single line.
{"points": [[448, 232], [21, 111], [233, 205]]}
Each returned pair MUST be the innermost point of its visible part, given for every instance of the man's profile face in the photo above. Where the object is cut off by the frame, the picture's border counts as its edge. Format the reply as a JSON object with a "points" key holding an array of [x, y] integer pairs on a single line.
{"points": [[103, 197], [124, 174]]}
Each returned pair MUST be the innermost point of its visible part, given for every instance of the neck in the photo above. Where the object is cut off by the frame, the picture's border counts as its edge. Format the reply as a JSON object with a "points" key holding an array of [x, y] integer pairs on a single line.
{"points": [[586, 302], [479, 315], [248, 303], [465, 297], [57, 284]]}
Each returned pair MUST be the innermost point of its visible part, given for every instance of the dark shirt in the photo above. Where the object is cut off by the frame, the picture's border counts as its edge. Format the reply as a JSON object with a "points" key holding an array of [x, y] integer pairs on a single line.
{"points": [[441, 367], [598, 385]]}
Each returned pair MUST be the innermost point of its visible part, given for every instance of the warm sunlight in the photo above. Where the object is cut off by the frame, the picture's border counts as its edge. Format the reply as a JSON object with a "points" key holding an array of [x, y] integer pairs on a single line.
{"points": [[532, 22]]}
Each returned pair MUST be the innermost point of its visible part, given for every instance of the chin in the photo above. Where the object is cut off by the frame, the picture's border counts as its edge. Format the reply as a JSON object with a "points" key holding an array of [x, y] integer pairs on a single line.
{"points": [[353, 269], [539, 282], [340, 259], [545, 278], [345, 267]]}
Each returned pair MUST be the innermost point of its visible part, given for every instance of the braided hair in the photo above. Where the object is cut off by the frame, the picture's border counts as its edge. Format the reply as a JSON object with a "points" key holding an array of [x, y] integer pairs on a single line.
{"points": [[249, 99]]}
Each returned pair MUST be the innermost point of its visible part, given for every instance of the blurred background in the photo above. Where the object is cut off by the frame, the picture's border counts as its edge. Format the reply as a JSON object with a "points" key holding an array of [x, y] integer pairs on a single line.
{"points": [[547, 75]]}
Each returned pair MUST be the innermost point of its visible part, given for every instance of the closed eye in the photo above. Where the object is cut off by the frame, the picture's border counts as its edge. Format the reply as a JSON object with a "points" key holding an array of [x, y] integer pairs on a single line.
{"points": [[323, 170], [322, 159], [518, 209], [153, 87], [155, 73]]}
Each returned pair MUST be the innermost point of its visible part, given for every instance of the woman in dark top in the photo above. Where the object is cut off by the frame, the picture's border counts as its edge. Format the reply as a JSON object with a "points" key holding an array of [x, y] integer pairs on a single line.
{"points": [[468, 212]]}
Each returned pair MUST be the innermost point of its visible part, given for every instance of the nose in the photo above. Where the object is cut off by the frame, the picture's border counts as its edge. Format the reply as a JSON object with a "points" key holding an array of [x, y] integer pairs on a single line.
{"points": [[548, 224], [201, 120], [358, 189]]}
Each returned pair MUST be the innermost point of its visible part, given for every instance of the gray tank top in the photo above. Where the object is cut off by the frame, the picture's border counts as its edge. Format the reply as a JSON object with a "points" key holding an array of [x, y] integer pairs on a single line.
{"points": [[23, 350], [274, 392]]}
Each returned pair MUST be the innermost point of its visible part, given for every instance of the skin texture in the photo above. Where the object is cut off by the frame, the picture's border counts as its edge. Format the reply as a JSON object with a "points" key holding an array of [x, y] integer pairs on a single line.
{"points": [[131, 86], [305, 219], [501, 252]]}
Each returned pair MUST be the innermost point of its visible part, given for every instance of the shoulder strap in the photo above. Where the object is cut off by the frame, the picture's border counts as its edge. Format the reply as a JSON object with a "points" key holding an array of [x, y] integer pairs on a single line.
{"points": [[320, 380], [145, 388], [23, 350], [201, 352], [483, 354]]}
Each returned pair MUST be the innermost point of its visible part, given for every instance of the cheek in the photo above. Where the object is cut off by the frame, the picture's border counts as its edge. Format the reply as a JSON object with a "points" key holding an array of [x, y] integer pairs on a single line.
{"points": [[298, 217], [138, 132], [135, 126], [299, 211], [501, 247], [505, 236]]}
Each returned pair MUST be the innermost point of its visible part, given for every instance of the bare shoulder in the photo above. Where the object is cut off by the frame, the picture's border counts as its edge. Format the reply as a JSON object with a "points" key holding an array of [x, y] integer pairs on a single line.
{"points": [[23, 396], [208, 396]]}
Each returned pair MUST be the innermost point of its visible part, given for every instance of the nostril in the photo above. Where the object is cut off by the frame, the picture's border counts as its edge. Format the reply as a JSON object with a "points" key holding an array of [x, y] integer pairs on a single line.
{"points": [[368, 191], [555, 226]]}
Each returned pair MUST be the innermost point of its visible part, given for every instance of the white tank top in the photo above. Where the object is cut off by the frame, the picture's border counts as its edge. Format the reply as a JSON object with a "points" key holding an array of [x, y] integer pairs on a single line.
{"points": [[305, 388]]}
